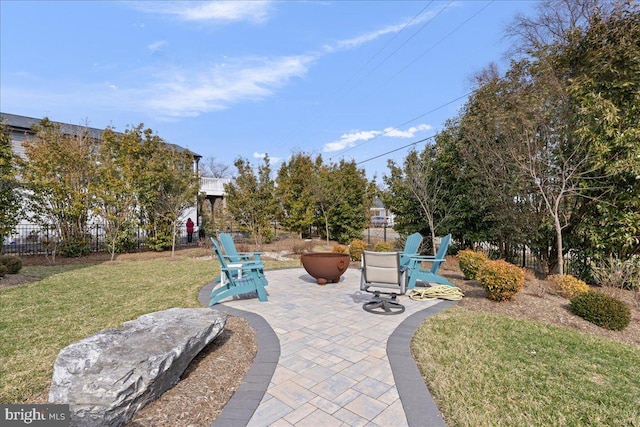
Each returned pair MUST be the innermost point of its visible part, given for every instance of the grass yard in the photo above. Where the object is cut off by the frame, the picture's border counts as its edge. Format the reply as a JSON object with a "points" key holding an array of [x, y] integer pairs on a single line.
{"points": [[74, 301], [485, 369], [482, 368]]}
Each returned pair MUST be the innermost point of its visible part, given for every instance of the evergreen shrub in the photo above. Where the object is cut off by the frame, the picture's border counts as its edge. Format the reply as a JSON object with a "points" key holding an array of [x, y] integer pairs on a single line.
{"points": [[13, 264], [568, 286], [470, 262], [356, 248], [500, 279], [3, 270], [339, 249], [600, 309], [383, 247]]}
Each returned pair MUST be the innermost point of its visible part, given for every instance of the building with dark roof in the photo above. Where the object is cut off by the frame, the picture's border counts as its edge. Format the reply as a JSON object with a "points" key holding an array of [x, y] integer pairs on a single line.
{"points": [[21, 129]]}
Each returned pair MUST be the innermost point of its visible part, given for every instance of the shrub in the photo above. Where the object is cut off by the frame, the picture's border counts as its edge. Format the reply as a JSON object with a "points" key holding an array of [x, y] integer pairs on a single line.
{"points": [[299, 247], [383, 247], [3, 270], [74, 247], [617, 273], [603, 310], [339, 249], [500, 279], [568, 286], [160, 242], [470, 261], [356, 248], [12, 264]]}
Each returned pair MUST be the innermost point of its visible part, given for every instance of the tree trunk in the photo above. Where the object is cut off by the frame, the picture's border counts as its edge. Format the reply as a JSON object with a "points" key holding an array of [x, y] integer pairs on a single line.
{"points": [[433, 236], [559, 245]]}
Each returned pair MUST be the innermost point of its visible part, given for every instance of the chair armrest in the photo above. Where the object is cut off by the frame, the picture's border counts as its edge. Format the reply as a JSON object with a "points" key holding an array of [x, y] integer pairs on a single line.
{"points": [[245, 263], [247, 255], [416, 260], [426, 258]]}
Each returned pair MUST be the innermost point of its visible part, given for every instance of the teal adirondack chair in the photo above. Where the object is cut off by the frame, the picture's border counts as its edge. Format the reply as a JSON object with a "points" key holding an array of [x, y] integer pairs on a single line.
{"points": [[417, 273], [411, 247], [251, 280], [232, 253], [233, 257]]}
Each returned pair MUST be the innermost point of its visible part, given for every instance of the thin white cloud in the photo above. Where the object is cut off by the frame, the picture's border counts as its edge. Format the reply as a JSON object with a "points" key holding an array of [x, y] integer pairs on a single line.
{"points": [[217, 11], [171, 93], [351, 139], [156, 46], [183, 93], [409, 133], [357, 41]]}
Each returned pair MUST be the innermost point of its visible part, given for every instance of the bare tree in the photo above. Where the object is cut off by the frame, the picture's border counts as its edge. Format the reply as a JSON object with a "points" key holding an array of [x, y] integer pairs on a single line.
{"points": [[553, 23], [425, 186], [214, 169]]}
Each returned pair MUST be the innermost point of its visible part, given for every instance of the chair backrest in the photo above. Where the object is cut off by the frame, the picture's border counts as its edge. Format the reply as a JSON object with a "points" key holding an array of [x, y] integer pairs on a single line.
{"points": [[442, 253], [383, 269], [223, 263], [229, 247], [411, 247]]}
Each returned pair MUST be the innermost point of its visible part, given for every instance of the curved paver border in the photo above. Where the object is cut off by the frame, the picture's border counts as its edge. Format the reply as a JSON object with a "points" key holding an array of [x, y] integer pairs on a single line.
{"points": [[418, 404], [244, 402]]}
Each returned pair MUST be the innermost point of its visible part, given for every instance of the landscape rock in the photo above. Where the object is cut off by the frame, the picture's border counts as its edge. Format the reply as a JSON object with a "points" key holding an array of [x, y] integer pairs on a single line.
{"points": [[107, 377]]}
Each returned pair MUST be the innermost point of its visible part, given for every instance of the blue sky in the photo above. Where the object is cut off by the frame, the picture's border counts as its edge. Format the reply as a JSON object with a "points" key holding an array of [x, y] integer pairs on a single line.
{"points": [[344, 79]]}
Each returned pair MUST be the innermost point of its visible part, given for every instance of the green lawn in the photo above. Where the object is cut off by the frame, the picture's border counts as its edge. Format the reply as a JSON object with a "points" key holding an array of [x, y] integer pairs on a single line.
{"points": [[482, 369], [492, 370], [71, 302]]}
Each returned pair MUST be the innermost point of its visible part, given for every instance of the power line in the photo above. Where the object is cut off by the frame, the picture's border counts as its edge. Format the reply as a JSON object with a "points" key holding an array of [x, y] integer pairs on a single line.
{"points": [[385, 46], [397, 149], [346, 86], [405, 123], [431, 48], [406, 41]]}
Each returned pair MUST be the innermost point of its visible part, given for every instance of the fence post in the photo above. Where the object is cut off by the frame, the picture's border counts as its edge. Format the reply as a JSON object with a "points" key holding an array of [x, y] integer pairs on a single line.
{"points": [[524, 255]]}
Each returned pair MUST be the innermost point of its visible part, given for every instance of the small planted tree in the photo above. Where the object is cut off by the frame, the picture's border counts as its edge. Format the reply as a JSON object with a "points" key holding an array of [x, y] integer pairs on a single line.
{"points": [[114, 190], [251, 201], [59, 172], [294, 192], [9, 195], [418, 185]]}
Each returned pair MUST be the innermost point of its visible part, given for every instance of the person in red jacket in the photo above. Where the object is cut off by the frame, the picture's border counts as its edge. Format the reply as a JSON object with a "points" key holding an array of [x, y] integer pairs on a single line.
{"points": [[189, 230]]}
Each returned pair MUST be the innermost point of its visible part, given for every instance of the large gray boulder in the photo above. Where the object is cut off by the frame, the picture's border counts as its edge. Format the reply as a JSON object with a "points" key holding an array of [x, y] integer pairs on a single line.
{"points": [[107, 377]]}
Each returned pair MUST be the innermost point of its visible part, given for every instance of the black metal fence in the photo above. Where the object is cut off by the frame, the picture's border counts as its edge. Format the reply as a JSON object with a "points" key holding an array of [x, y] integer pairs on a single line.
{"points": [[31, 239], [524, 257]]}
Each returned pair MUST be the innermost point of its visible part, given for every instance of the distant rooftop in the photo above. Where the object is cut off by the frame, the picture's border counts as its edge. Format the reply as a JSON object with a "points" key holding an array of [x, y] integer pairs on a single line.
{"points": [[23, 123]]}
